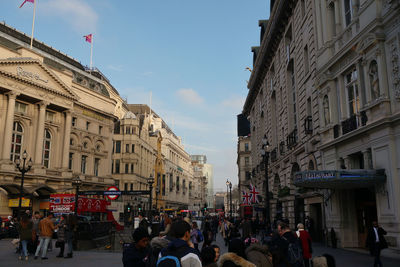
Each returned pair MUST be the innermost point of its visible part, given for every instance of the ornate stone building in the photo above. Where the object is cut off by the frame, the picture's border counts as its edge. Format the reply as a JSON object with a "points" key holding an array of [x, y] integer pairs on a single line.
{"points": [[60, 113], [282, 106], [358, 49]]}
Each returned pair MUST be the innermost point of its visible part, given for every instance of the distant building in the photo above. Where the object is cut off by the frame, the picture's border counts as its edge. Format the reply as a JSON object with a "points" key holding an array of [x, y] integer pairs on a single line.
{"points": [[208, 172]]}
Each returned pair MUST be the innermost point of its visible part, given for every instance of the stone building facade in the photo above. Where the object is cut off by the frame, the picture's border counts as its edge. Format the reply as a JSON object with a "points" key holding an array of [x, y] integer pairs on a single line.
{"points": [[324, 91], [244, 163], [57, 111], [282, 106]]}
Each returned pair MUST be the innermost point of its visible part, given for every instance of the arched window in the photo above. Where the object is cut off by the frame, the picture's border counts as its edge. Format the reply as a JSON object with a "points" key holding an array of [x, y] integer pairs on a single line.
{"points": [[46, 148], [295, 168], [325, 105], [374, 79], [311, 165], [16, 142]]}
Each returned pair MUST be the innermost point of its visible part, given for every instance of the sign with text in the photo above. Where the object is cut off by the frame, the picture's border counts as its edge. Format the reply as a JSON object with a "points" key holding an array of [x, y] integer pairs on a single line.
{"points": [[62, 203], [14, 203]]}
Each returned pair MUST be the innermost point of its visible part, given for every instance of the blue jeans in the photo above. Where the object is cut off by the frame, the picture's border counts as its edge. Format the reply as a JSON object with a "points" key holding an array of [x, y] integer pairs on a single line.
{"points": [[24, 250], [43, 244]]}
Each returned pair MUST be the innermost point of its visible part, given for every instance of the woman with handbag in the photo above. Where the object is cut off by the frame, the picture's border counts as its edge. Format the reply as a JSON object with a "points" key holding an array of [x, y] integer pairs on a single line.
{"points": [[60, 243], [25, 234]]}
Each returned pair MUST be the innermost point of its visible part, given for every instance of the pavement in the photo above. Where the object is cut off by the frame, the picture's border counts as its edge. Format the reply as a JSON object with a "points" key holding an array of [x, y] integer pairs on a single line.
{"points": [[343, 257]]}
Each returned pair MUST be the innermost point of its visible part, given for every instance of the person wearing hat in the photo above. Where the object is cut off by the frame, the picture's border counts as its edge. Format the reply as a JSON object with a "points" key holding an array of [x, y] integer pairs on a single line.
{"points": [[137, 254]]}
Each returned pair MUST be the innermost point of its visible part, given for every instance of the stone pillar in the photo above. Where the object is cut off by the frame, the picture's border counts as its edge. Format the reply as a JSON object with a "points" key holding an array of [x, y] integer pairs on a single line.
{"points": [[40, 133], [330, 22], [367, 159], [67, 136], [338, 25], [9, 125]]}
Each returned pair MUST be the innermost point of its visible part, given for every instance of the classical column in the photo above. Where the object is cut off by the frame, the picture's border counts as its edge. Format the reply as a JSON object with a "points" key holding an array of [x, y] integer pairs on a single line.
{"points": [[67, 137], [40, 133], [367, 159], [337, 18], [9, 125], [330, 21]]}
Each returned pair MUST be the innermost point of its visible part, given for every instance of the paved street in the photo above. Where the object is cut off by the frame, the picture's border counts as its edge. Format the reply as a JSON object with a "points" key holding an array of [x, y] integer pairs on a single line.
{"points": [[343, 257]]}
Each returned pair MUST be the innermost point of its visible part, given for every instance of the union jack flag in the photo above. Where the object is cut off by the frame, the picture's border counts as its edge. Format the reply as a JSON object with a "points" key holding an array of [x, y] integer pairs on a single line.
{"points": [[245, 198], [253, 194]]}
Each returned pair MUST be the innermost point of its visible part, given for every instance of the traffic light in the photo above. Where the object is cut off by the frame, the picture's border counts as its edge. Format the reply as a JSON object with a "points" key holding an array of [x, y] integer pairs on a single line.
{"points": [[129, 209]]}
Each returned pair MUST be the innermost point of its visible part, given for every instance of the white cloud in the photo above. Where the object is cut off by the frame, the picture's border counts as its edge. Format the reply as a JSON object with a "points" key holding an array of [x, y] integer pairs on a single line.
{"points": [[189, 96], [76, 12], [118, 68], [201, 149], [234, 102]]}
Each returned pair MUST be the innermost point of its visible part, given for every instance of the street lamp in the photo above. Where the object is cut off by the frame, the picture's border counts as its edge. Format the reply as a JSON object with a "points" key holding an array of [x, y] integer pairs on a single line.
{"points": [[150, 181], [229, 184], [265, 155], [23, 169], [76, 182]]}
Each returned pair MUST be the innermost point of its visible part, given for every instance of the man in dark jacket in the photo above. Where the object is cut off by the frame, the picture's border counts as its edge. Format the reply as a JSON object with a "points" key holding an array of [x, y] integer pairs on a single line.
{"points": [[181, 247], [282, 242], [376, 242], [143, 223], [137, 253]]}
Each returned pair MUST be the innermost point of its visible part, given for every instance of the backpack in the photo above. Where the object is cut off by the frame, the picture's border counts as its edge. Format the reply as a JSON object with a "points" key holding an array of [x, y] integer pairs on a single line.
{"points": [[168, 261], [294, 253], [200, 237]]}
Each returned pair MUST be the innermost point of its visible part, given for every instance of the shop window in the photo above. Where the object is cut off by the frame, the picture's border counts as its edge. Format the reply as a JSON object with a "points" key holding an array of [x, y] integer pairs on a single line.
{"points": [[16, 141]]}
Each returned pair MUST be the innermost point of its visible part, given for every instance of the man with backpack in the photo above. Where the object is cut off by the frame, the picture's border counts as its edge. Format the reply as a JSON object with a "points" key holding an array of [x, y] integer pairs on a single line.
{"points": [[180, 251], [289, 247]]}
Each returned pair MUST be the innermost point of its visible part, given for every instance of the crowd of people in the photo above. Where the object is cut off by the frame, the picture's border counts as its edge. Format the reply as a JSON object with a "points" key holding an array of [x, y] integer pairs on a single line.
{"points": [[249, 244], [35, 234]]}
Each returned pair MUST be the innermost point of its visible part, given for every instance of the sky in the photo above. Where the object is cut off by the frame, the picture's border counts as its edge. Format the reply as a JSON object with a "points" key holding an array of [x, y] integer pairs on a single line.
{"points": [[190, 54]]}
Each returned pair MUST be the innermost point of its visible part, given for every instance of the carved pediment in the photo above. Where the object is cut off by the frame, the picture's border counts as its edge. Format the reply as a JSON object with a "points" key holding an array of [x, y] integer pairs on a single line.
{"points": [[33, 72], [365, 43]]}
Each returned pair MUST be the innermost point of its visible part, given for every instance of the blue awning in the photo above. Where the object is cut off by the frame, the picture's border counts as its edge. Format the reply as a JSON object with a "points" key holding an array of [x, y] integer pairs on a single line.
{"points": [[340, 179]]}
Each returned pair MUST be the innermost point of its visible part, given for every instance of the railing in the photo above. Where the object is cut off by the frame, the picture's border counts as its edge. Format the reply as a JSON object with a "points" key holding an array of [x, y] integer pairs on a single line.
{"points": [[292, 139], [308, 127]]}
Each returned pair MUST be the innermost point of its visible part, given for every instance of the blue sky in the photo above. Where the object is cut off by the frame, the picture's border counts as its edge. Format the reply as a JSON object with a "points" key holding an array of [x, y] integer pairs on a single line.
{"points": [[190, 54]]}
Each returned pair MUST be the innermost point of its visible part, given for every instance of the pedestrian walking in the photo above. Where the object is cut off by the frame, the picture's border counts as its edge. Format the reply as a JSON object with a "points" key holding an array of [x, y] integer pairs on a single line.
{"points": [[376, 242], [70, 233], [137, 254], [46, 229], [25, 235], [195, 236], [61, 229], [167, 225], [288, 248], [306, 245]]}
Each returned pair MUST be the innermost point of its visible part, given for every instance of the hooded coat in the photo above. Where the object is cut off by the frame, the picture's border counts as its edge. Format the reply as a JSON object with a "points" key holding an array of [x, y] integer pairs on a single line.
{"points": [[189, 257], [231, 259], [258, 254]]}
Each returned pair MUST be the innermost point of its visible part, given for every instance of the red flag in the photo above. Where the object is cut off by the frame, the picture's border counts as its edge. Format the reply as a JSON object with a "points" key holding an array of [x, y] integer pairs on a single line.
{"points": [[30, 1], [88, 38]]}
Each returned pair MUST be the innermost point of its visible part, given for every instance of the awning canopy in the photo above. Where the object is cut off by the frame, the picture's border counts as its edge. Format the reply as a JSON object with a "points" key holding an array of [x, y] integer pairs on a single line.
{"points": [[340, 179]]}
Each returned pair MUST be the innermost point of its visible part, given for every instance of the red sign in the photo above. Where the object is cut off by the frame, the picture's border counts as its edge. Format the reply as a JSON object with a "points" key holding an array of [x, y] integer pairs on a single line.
{"points": [[92, 205], [62, 203], [110, 189]]}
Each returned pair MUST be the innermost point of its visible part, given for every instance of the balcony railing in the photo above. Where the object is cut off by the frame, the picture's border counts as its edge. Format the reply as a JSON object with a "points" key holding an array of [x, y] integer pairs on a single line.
{"points": [[308, 127], [354, 122]]}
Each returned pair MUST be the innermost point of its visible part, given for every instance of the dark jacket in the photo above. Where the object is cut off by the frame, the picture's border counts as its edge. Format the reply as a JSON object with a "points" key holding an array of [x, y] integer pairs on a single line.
{"points": [[180, 249], [246, 226], [233, 260], [258, 254], [25, 233], [133, 257], [371, 239], [280, 245]]}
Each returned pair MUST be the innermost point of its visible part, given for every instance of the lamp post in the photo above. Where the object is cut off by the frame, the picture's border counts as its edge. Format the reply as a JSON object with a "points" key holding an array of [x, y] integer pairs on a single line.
{"points": [[23, 169], [150, 181], [229, 185], [76, 182], [265, 155]]}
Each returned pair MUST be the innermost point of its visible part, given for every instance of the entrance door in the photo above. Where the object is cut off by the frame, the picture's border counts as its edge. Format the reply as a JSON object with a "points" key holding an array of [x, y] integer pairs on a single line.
{"points": [[366, 212], [315, 222]]}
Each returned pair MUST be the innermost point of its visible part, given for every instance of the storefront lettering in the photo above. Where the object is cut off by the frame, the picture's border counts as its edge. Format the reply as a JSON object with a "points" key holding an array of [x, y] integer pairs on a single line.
{"points": [[30, 75]]}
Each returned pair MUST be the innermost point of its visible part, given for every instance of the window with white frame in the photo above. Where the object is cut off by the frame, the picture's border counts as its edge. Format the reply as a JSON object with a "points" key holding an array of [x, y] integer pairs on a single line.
{"points": [[20, 107], [353, 96], [83, 164], [46, 148], [16, 142], [96, 166]]}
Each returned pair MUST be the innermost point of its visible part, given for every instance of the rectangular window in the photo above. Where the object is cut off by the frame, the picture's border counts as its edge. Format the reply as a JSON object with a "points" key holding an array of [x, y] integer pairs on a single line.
{"points": [[83, 164], [70, 160], [126, 186], [132, 168], [163, 185], [348, 11], [292, 86], [171, 182], [117, 163], [353, 97], [246, 161], [96, 166], [177, 183], [112, 166], [131, 187], [126, 168], [127, 148], [74, 120], [133, 149], [246, 147], [306, 63], [118, 147], [100, 129], [20, 107], [87, 126]]}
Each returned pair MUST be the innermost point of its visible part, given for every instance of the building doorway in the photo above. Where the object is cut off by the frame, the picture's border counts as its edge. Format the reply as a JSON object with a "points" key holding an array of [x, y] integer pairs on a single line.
{"points": [[299, 211], [314, 222], [366, 212]]}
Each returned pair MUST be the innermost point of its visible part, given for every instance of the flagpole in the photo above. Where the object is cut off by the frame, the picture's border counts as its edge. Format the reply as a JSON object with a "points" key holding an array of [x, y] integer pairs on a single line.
{"points": [[91, 53], [33, 22]]}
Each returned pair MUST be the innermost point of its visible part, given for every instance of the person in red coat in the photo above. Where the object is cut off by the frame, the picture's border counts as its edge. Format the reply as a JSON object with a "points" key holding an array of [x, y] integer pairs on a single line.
{"points": [[305, 239]]}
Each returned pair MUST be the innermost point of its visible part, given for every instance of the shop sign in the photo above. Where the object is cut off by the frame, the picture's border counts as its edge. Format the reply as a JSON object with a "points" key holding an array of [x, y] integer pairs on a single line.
{"points": [[62, 203], [14, 203]]}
